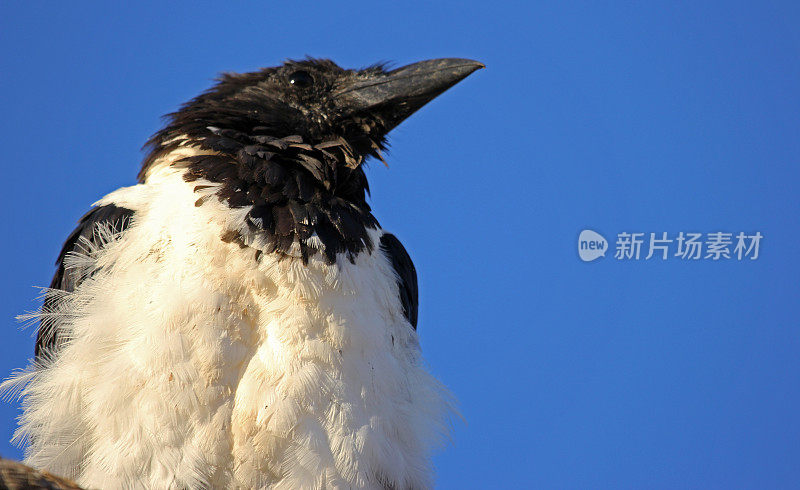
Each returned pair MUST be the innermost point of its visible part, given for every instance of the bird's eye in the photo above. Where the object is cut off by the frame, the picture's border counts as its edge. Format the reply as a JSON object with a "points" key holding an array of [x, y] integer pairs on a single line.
{"points": [[301, 79]]}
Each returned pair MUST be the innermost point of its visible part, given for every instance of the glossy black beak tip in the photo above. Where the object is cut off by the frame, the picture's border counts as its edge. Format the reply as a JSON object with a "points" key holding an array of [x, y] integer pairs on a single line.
{"points": [[444, 71]]}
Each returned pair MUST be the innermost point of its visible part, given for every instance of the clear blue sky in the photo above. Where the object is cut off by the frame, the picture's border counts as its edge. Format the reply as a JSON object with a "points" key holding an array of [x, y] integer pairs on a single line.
{"points": [[635, 116]]}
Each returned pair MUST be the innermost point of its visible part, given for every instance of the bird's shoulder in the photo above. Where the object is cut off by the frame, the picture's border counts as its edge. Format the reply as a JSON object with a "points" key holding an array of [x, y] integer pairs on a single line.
{"points": [[111, 215], [406, 275]]}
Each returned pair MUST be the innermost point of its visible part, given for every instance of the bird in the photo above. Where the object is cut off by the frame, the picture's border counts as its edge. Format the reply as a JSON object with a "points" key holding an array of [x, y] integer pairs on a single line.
{"points": [[239, 318]]}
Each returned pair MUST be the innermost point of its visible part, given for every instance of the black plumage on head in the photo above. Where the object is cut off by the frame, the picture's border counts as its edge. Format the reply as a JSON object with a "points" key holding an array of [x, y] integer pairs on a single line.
{"points": [[290, 141]]}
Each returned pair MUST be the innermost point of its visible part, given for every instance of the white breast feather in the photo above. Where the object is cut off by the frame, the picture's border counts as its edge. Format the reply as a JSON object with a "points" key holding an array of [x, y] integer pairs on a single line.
{"points": [[193, 364]]}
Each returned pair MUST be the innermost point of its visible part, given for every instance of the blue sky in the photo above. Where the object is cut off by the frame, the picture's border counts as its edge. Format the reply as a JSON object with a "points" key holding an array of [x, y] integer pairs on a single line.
{"points": [[628, 117]]}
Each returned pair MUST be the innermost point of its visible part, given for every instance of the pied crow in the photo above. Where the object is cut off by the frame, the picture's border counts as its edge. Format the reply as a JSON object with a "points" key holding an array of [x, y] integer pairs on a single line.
{"points": [[239, 319]]}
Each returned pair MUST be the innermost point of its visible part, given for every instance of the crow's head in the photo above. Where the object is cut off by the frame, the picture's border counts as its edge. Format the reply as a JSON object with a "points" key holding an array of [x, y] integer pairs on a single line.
{"points": [[289, 141], [313, 99]]}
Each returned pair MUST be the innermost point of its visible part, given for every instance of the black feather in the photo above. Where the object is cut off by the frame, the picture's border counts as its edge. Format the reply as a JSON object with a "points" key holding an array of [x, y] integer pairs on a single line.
{"points": [[406, 275]]}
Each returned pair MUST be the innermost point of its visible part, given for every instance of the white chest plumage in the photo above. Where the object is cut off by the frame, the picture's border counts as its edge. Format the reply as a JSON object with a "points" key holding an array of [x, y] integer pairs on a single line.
{"points": [[196, 363]]}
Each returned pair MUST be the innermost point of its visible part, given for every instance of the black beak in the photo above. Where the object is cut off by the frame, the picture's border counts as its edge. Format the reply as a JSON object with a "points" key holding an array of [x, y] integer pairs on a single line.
{"points": [[397, 94]]}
